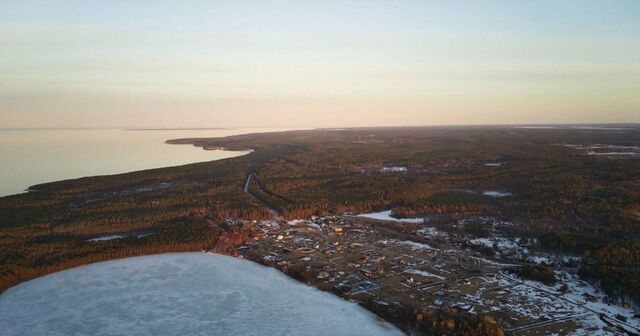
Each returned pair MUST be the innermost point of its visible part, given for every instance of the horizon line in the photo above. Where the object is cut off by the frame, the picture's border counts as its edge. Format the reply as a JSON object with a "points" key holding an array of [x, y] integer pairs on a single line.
{"points": [[186, 128]]}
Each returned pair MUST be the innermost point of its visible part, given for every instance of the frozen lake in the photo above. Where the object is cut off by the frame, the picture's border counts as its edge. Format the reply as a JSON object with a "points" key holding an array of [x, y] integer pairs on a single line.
{"points": [[179, 294], [33, 156]]}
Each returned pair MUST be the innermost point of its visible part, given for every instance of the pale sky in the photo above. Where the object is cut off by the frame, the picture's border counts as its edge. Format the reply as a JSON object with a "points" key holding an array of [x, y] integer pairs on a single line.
{"points": [[317, 63]]}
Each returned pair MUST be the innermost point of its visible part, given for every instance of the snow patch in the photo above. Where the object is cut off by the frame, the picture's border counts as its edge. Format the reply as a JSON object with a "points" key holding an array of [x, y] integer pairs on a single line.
{"points": [[393, 169], [416, 246], [386, 215], [500, 242], [429, 232], [422, 273]]}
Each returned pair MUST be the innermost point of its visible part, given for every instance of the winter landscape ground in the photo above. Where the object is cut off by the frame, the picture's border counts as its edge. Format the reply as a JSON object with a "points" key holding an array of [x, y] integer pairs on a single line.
{"points": [[459, 230]]}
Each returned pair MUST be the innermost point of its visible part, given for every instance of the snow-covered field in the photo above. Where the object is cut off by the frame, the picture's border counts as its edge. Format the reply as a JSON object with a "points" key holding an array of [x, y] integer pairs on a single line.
{"points": [[179, 294], [386, 215]]}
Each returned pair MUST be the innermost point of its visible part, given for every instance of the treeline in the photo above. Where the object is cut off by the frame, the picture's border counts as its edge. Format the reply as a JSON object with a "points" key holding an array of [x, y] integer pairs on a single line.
{"points": [[430, 209], [616, 267], [436, 321], [25, 259], [233, 237], [612, 262], [11, 275], [570, 242], [541, 273]]}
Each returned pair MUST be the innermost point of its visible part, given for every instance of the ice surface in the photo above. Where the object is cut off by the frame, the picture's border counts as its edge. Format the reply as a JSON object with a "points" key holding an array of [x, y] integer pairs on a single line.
{"points": [[386, 215], [179, 294], [602, 128], [105, 238], [393, 169], [535, 127], [607, 150], [612, 153], [493, 193], [592, 128]]}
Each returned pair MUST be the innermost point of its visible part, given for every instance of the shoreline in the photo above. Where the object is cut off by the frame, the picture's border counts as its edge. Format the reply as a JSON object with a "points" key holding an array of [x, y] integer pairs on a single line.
{"points": [[372, 319], [29, 183]]}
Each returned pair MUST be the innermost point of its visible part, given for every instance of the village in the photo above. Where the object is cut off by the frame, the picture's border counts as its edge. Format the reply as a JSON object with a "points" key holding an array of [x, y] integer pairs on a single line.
{"points": [[365, 258]]}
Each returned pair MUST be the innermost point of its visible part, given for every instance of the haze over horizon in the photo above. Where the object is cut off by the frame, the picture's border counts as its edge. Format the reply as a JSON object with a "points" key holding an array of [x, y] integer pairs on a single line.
{"points": [[318, 63]]}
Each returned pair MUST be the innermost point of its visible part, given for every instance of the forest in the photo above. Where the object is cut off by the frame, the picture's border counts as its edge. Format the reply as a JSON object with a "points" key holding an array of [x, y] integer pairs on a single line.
{"points": [[569, 200]]}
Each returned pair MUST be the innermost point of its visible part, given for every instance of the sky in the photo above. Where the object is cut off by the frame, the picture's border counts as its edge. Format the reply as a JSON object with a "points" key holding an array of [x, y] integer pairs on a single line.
{"points": [[317, 63]]}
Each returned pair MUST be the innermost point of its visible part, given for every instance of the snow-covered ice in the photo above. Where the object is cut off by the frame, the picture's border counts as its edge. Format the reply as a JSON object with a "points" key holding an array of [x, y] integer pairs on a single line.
{"points": [[612, 153], [179, 294], [535, 127], [393, 169], [105, 238], [585, 127], [602, 128], [386, 215], [116, 236], [607, 150], [493, 193], [633, 148]]}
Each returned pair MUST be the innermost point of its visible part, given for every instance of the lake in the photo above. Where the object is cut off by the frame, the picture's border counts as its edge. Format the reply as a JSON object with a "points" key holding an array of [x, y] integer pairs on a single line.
{"points": [[179, 294], [33, 156]]}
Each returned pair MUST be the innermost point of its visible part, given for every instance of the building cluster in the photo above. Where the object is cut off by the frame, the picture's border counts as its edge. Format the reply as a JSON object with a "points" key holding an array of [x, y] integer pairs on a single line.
{"points": [[430, 269]]}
